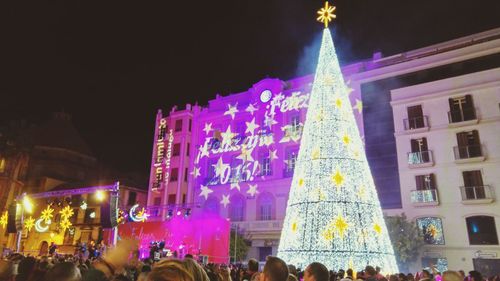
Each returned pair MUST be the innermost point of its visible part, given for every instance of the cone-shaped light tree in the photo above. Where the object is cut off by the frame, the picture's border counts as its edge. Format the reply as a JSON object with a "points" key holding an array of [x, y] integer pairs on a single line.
{"points": [[333, 214]]}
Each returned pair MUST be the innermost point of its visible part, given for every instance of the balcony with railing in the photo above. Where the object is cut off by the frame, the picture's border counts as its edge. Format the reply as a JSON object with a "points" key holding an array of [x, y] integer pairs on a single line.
{"points": [[427, 197], [416, 124], [468, 153], [465, 116], [481, 194], [420, 159]]}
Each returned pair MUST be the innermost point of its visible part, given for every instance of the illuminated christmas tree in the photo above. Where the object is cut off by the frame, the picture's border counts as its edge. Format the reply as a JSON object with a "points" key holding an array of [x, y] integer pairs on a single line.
{"points": [[333, 214]]}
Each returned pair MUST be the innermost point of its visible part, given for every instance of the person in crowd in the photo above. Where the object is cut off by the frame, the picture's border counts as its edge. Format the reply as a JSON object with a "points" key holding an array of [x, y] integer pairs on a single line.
{"points": [[462, 274], [26, 269], [170, 270], [451, 276], [370, 273], [475, 275], [6, 270], [349, 276], [316, 272], [410, 277], [292, 270], [275, 269], [65, 271], [394, 277], [292, 277], [360, 276], [198, 272], [425, 276], [253, 267]]}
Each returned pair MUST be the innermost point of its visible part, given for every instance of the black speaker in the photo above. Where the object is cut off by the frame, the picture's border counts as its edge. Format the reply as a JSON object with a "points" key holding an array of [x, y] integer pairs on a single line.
{"points": [[109, 211], [14, 221]]}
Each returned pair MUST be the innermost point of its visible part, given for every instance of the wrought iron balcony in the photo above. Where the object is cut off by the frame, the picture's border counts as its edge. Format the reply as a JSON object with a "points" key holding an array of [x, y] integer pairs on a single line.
{"points": [[477, 194], [420, 159], [466, 114], [466, 152], [416, 123], [427, 197]]}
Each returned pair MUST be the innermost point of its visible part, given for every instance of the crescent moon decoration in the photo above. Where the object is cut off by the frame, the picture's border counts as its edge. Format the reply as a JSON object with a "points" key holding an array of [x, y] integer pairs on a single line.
{"points": [[39, 227], [141, 216]]}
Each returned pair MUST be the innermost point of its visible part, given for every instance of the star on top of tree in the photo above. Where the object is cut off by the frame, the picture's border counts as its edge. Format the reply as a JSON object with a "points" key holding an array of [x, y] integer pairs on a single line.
{"points": [[326, 14], [252, 189], [205, 191], [231, 110], [208, 128], [225, 200], [251, 126], [251, 108]]}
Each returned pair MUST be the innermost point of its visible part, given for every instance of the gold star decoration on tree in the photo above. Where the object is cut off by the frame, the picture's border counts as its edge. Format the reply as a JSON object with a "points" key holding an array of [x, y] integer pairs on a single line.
{"points": [[341, 226], [315, 153], [66, 212], [4, 219], [362, 193], [300, 182], [326, 14], [346, 139], [337, 179], [294, 226], [29, 223], [328, 234], [47, 214], [318, 194], [377, 228], [338, 103]]}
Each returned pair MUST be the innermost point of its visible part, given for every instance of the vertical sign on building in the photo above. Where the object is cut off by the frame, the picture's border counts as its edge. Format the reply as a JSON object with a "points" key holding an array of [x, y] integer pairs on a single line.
{"points": [[162, 155]]}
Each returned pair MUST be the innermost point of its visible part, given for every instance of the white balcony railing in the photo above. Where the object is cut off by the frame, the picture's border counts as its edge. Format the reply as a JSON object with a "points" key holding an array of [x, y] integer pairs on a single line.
{"points": [[477, 194]]}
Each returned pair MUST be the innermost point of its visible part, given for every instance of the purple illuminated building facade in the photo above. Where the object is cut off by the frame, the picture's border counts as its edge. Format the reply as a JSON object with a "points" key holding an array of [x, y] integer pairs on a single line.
{"points": [[235, 156]]}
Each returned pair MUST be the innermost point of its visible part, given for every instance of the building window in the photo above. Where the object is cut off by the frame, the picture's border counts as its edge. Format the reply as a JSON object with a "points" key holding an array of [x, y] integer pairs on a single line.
{"points": [[237, 208], [174, 174], [482, 230], [266, 205], [419, 152], [171, 199], [186, 174], [132, 198], [2, 165], [431, 229], [441, 264], [176, 150], [461, 109], [190, 124], [425, 182], [468, 145], [473, 185], [188, 147], [291, 160], [265, 164], [211, 205], [89, 216], [415, 119], [211, 179], [157, 201], [178, 125]]}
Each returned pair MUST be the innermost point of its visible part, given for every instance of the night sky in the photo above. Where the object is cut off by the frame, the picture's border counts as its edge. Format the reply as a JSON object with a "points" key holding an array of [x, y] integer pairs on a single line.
{"points": [[112, 64]]}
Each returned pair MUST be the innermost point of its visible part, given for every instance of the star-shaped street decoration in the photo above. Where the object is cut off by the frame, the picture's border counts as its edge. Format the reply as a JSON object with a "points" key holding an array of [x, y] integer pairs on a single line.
{"points": [[205, 191], [225, 200], [232, 110], [358, 106], [235, 185], [29, 223], [252, 189], [196, 172], [220, 167], [251, 108], [251, 126], [272, 154], [4, 219], [208, 128]]}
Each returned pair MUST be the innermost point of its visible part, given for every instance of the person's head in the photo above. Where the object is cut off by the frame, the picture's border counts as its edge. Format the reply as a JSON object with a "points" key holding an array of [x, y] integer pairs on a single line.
{"points": [[377, 269], [393, 278], [475, 275], [316, 272], [167, 270], [410, 277], [188, 256], [255, 276], [452, 276], [340, 274], [462, 273], [426, 274], [64, 271], [26, 268], [349, 272], [198, 273], [253, 265], [292, 270], [292, 277], [275, 269], [6, 270], [370, 271]]}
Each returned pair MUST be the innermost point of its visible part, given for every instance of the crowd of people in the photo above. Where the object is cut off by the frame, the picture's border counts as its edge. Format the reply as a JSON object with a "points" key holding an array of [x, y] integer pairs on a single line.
{"points": [[122, 263]]}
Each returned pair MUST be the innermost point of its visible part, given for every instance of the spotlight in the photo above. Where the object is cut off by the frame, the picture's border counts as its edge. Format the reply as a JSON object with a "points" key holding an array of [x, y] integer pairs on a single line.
{"points": [[68, 200], [27, 204], [83, 205], [187, 212], [100, 195], [92, 215], [179, 213]]}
